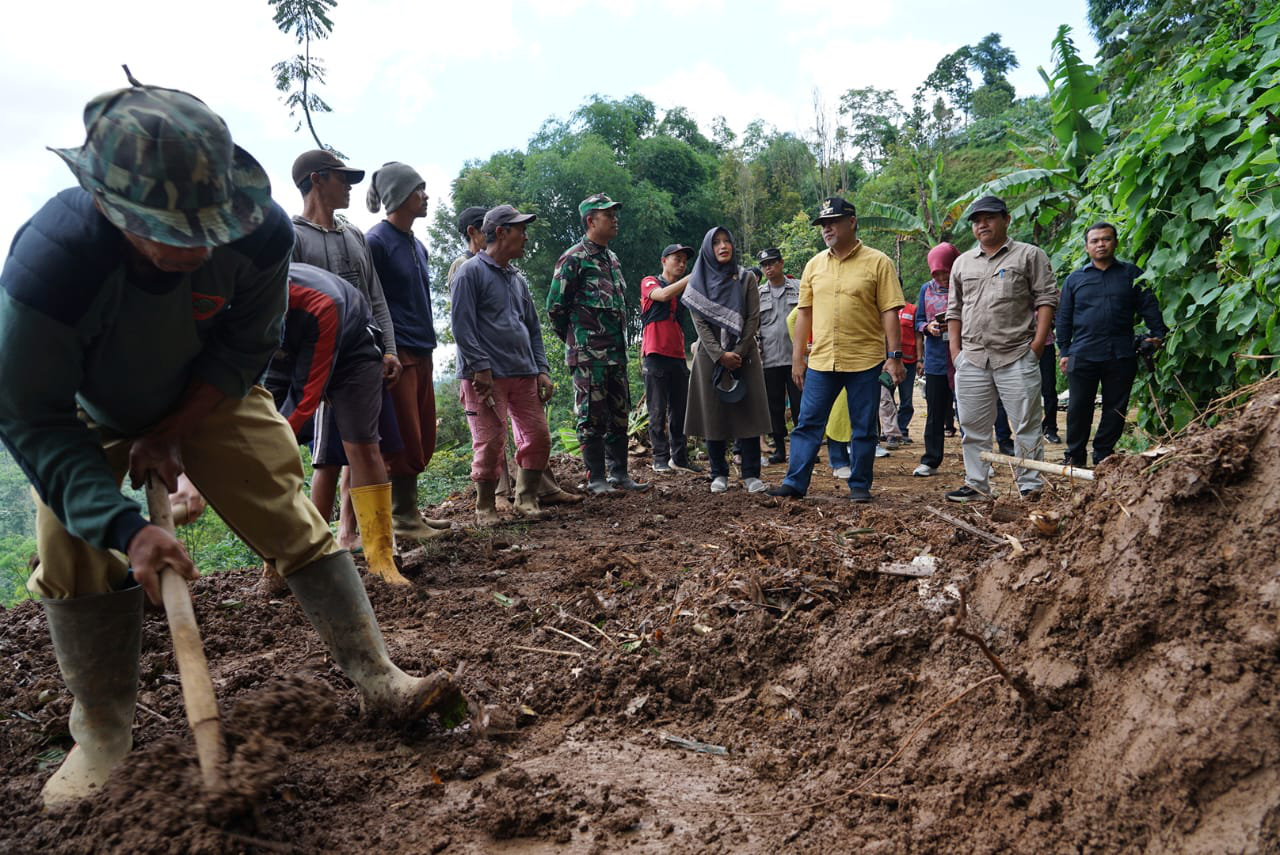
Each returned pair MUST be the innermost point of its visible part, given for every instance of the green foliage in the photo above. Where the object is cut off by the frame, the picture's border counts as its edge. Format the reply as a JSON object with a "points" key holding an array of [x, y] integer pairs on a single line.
{"points": [[1182, 156], [16, 553], [1194, 185]]}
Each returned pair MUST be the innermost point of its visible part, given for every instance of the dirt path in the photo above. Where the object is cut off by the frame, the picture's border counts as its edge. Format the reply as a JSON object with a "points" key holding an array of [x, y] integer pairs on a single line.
{"points": [[761, 627]]}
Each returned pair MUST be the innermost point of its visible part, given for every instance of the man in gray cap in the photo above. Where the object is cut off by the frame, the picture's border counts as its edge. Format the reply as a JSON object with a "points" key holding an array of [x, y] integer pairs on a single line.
{"points": [[136, 313], [999, 317], [779, 294], [470, 226], [325, 239], [502, 364]]}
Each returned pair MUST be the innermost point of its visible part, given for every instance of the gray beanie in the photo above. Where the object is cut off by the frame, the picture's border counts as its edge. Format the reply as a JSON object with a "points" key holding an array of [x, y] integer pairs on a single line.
{"points": [[391, 185]]}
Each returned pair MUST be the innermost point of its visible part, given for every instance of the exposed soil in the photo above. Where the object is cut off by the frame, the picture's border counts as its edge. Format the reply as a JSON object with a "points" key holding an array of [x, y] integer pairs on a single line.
{"points": [[845, 716]]}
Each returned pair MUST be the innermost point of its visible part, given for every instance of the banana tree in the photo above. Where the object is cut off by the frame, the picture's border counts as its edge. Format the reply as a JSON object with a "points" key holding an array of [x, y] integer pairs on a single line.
{"points": [[933, 223], [1053, 178]]}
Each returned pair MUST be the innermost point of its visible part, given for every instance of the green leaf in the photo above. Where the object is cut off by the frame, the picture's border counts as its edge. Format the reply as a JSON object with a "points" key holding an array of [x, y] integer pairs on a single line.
{"points": [[1175, 144], [1214, 135], [1205, 207]]}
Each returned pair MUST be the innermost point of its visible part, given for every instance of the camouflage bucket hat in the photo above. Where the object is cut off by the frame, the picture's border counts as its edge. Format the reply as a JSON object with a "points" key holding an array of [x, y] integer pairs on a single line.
{"points": [[163, 167]]}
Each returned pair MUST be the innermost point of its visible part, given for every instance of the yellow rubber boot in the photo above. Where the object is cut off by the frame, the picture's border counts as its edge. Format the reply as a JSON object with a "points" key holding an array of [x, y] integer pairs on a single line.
{"points": [[373, 515]]}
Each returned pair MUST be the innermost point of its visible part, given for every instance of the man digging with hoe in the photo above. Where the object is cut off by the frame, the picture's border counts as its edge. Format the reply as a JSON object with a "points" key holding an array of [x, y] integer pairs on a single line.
{"points": [[137, 312]]}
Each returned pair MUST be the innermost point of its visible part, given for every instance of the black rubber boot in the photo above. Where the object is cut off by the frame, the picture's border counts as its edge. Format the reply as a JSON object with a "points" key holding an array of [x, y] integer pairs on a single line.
{"points": [[593, 457], [616, 451]]}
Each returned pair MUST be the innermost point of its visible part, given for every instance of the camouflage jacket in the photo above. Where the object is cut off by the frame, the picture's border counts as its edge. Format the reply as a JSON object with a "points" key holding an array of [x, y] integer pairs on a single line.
{"points": [[587, 305]]}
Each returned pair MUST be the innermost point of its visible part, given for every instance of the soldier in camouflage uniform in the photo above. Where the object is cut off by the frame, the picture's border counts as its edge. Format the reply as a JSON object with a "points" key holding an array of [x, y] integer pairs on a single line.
{"points": [[137, 312], [588, 309]]}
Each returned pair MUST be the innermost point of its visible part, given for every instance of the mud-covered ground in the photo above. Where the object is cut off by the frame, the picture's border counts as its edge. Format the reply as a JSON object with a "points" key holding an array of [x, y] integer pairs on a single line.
{"points": [[682, 672]]}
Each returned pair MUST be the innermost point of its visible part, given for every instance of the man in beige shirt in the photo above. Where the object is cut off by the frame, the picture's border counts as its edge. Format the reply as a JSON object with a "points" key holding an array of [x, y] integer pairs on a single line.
{"points": [[999, 316]]}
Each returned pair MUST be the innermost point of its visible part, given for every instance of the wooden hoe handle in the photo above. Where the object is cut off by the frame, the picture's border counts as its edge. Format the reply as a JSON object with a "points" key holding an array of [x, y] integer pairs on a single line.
{"points": [[193, 668]]}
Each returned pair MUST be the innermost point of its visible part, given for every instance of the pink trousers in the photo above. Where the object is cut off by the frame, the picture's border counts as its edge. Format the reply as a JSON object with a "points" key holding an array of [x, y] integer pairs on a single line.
{"points": [[515, 398]]}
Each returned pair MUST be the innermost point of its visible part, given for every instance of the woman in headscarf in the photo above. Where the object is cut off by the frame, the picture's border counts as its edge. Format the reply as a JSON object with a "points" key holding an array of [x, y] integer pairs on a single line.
{"points": [[939, 373], [726, 387]]}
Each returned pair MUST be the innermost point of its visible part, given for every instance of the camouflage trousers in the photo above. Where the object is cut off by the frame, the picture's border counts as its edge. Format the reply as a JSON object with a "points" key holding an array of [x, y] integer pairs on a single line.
{"points": [[602, 401]]}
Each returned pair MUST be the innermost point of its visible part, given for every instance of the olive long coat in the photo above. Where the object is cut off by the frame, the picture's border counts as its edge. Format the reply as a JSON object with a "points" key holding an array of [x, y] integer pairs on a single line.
{"points": [[709, 417]]}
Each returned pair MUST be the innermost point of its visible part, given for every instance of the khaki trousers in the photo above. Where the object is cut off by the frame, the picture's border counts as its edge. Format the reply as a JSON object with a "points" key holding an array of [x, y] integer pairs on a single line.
{"points": [[244, 459]]}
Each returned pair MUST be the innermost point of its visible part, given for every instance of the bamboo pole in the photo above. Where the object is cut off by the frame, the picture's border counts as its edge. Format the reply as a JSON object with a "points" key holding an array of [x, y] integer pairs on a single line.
{"points": [[193, 667], [1077, 472]]}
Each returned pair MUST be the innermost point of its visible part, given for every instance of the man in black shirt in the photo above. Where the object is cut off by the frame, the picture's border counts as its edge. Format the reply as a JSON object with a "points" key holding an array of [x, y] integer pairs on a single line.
{"points": [[1095, 334]]}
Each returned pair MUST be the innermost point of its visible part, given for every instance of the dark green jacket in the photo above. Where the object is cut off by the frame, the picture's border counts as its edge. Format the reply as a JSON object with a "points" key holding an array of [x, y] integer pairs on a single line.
{"points": [[79, 331]]}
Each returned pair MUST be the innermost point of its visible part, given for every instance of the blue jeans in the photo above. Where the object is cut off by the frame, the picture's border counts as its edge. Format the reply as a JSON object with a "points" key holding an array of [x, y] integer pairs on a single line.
{"points": [[838, 453], [820, 391]]}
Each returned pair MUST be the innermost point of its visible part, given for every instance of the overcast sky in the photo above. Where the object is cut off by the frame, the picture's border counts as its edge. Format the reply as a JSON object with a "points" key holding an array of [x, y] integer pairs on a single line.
{"points": [[437, 84]]}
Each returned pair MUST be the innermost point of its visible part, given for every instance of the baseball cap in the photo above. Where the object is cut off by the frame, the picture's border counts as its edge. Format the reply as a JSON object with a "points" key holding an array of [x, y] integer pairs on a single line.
{"points": [[729, 388], [987, 205], [505, 215], [162, 166], [473, 216], [770, 254], [677, 247], [834, 208], [319, 160], [596, 202]]}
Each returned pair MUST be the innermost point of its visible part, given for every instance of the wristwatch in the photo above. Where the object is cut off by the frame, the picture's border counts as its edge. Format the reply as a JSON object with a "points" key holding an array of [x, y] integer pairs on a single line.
{"points": [[893, 354]]}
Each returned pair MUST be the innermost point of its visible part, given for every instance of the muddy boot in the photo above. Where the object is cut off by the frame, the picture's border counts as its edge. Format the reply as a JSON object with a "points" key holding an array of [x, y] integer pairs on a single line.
{"points": [[551, 493], [373, 514], [502, 493], [406, 522], [618, 477], [527, 494], [271, 583], [486, 512], [97, 640], [593, 457], [335, 602]]}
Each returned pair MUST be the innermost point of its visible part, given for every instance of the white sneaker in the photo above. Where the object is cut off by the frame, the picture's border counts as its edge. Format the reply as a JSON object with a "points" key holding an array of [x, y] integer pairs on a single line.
{"points": [[754, 485], [881, 451], [719, 484], [924, 470], [843, 473]]}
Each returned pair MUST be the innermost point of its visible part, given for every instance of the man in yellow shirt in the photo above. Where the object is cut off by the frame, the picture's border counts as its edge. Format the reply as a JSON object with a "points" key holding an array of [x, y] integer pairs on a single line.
{"points": [[849, 301]]}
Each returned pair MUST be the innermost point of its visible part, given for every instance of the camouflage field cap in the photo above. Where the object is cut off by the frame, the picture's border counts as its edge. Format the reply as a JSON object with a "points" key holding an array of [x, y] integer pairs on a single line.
{"points": [[163, 167], [597, 202]]}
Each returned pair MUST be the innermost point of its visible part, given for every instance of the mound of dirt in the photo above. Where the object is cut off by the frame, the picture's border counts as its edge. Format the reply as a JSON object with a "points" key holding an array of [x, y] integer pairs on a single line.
{"points": [[684, 672]]}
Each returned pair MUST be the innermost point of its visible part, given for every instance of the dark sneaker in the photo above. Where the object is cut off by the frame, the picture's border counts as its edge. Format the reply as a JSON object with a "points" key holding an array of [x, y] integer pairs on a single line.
{"points": [[1031, 494], [967, 494], [861, 495], [785, 491], [1067, 461], [906, 440], [1006, 448], [893, 443], [687, 466], [777, 457], [1052, 436], [949, 432], [661, 466]]}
